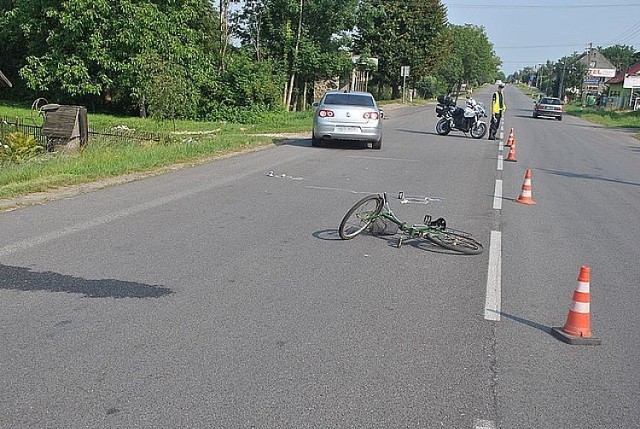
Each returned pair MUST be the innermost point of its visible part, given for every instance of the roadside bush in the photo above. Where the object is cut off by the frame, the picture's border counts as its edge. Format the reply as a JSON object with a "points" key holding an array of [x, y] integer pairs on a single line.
{"points": [[17, 147]]}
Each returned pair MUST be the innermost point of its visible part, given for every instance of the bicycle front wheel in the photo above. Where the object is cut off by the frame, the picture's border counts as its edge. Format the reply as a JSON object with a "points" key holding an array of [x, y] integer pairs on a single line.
{"points": [[456, 242], [360, 216]]}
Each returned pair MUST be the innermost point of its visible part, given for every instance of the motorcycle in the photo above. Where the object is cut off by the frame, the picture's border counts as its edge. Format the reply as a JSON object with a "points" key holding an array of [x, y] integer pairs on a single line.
{"points": [[467, 120]]}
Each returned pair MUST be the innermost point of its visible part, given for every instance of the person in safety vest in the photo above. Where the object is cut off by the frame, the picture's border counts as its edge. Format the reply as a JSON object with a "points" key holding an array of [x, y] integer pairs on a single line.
{"points": [[498, 106]]}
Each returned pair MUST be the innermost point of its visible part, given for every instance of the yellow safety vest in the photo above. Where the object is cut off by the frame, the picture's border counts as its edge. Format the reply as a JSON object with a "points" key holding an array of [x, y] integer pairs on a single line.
{"points": [[497, 103]]}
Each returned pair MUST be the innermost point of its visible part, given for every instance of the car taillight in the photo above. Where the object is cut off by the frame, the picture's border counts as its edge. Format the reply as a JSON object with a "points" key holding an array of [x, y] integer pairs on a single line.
{"points": [[371, 115], [324, 113], [558, 109]]}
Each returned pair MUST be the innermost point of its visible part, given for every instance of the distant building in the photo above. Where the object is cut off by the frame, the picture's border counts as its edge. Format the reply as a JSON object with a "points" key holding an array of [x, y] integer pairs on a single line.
{"points": [[624, 88], [599, 70]]}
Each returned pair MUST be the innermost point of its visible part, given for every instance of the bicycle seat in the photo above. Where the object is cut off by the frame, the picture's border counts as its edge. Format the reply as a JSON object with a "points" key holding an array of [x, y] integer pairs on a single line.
{"points": [[439, 223]]}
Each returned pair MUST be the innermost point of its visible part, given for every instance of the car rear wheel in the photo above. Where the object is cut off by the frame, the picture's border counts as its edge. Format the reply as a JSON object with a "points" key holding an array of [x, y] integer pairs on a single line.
{"points": [[316, 142], [559, 118], [377, 145]]}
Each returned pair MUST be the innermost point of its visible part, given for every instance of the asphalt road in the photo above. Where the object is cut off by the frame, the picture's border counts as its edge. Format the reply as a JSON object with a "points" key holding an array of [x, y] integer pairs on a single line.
{"points": [[218, 296]]}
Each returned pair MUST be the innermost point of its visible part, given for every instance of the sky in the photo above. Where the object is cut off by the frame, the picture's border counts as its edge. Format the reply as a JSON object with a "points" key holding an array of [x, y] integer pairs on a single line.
{"points": [[528, 33]]}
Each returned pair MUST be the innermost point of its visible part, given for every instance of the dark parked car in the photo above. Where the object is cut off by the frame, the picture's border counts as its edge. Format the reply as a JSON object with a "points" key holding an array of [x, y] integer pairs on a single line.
{"points": [[548, 106], [347, 116]]}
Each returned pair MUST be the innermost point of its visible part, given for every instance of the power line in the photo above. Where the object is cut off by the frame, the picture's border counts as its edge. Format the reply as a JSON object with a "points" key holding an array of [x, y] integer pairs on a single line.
{"points": [[545, 6], [626, 33], [538, 46]]}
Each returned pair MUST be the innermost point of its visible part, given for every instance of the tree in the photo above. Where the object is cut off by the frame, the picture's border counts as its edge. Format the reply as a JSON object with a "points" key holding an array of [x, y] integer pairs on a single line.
{"points": [[246, 24], [403, 32], [621, 56], [91, 49], [471, 58], [286, 33]]}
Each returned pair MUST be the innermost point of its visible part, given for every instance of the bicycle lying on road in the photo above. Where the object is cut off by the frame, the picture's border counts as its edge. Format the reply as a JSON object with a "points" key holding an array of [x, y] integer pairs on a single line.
{"points": [[375, 208]]}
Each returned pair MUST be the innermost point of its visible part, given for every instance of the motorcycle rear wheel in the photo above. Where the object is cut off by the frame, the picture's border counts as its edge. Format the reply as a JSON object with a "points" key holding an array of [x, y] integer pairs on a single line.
{"points": [[478, 130], [443, 127]]}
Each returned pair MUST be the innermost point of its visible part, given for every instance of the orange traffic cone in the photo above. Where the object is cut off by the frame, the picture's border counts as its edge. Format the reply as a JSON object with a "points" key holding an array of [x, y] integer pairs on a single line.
{"points": [[510, 140], [577, 329], [512, 153], [525, 194]]}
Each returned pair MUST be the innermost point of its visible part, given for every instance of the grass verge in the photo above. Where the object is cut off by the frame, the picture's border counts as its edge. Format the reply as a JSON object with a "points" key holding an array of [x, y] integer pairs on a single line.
{"points": [[190, 142], [596, 115], [609, 118]]}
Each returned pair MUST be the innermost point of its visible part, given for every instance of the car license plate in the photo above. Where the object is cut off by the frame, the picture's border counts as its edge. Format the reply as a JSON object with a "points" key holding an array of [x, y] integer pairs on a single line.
{"points": [[350, 130]]}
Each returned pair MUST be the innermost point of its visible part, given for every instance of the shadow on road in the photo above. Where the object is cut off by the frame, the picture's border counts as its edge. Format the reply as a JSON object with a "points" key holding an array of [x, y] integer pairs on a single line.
{"points": [[337, 144], [327, 234], [392, 241], [586, 176], [524, 321], [23, 279]]}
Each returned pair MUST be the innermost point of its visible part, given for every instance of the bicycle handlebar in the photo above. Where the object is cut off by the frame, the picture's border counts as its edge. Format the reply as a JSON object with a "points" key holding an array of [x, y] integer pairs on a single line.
{"points": [[416, 200]]}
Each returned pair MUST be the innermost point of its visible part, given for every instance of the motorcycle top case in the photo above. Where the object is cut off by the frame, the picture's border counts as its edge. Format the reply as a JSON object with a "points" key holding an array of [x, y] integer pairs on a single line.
{"points": [[446, 100]]}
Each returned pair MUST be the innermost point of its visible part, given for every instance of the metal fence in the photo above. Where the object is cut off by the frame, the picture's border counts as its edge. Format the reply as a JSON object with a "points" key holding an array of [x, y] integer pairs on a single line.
{"points": [[8, 126], [109, 136], [123, 135]]}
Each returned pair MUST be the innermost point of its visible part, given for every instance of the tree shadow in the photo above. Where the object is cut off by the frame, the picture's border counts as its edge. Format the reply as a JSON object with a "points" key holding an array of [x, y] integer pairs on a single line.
{"points": [[23, 279], [586, 176]]}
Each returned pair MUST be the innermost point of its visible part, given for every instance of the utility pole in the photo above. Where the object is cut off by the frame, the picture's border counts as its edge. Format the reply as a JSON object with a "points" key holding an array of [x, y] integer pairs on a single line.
{"points": [[584, 85]]}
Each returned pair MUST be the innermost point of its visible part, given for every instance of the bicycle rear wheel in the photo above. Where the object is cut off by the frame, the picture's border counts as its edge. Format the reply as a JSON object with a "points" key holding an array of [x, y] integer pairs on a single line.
{"points": [[456, 242], [360, 216]]}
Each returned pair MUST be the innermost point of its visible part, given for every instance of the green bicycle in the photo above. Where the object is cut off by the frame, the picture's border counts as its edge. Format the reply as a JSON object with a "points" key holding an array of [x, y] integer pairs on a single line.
{"points": [[375, 207]]}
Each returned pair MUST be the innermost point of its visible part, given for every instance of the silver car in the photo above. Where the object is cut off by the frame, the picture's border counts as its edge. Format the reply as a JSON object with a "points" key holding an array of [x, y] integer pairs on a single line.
{"points": [[347, 116], [548, 106]]}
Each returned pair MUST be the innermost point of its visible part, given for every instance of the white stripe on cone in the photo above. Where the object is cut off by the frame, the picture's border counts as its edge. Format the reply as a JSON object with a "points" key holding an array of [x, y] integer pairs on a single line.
{"points": [[580, 307]]}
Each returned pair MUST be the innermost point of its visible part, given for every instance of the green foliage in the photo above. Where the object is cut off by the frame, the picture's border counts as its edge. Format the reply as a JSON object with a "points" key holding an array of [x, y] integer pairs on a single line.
{"points": [[168, 57], [471, 58], [621, 56], [17, 147], [431, 86]]}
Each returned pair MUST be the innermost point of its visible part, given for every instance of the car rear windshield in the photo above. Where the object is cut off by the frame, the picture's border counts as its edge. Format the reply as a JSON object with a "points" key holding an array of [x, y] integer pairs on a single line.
{"points": [[349, 100], [555, 101]]}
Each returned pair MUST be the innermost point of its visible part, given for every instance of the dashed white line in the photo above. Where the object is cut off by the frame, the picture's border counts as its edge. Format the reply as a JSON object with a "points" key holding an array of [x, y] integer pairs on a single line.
{"points": [[492, 304], [484, 424], [497, 196], [500, 162]]}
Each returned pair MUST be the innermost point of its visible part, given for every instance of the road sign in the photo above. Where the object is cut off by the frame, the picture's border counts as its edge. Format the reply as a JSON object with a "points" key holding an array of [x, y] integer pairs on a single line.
{"points": [[631, 82], [404, 71]]}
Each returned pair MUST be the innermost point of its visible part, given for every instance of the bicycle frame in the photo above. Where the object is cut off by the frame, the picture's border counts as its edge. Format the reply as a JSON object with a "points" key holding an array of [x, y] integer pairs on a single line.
{"points": [[362, 215], [412, 230]]}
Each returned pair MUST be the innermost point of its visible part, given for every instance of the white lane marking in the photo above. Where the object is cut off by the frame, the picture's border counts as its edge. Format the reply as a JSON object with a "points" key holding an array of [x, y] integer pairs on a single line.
{"points": [[492, 304], [500, 162], [484, 424], [497, 196], [324, 188], [111, 217], [83, 226], [501, 135], [385, 159]]}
